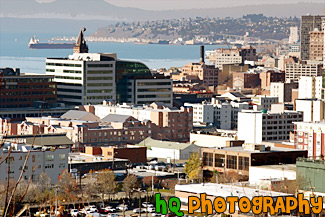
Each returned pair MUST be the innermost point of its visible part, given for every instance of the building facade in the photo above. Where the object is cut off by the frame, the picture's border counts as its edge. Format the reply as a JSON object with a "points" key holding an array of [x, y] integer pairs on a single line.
{"points": [[313, 109], [293, 71], [219, 113], [308, 24], [244, 80], [49, 160], [172, 124], [240, 158], [310, 87], [257, 126], [310, 136], [269, 76], [283, 91], [21, 90], [316, 45]]}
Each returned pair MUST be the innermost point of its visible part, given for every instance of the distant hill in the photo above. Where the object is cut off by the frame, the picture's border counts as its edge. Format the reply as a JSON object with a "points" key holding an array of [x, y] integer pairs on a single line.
{"points": [[99, 9]]}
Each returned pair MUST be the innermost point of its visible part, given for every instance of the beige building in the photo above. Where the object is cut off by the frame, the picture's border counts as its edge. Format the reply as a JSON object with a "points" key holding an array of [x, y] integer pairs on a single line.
{"points": [[293, 71], [207, 74], [283, 91], [316, 45]]}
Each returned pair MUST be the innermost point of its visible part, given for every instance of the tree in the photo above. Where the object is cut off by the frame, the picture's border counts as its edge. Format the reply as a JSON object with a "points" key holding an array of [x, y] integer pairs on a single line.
{"points": [[193, 168], [129, 183], [105, 183], [147, 181], [67, 187]]}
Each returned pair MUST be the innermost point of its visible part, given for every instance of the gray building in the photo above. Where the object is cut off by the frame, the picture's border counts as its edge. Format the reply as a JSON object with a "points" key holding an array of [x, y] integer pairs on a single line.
{"points": [[308, 24]]}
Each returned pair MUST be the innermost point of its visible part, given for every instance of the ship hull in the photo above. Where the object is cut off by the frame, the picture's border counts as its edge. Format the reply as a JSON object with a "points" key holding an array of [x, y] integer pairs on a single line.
{"points": [[51, 46]]}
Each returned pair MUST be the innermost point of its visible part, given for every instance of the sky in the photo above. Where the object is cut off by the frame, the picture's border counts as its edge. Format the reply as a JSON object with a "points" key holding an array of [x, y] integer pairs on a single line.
{"points": [[189, 4]]}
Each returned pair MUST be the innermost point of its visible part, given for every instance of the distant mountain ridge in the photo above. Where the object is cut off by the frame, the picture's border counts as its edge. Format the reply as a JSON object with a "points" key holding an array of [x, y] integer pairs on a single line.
{"points": [[99, 9]]}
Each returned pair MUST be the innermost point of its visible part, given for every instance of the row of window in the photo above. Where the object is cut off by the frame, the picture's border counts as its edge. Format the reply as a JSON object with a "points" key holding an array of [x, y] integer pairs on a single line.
{"points": [[63, 64]]}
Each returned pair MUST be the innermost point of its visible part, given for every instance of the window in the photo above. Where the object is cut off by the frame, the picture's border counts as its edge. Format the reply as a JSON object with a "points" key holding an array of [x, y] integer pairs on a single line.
{"points": [[231, 162], [62, 156], [243, 163], [49, 157], [219, 160]]}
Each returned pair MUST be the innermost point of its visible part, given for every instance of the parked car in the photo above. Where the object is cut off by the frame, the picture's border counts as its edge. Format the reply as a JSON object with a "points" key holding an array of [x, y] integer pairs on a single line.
{"points": [[74, 212], [155, 214], [110, 209], [145, 204], [138, 210], [122, 207], [112, 215], [151, 209]]}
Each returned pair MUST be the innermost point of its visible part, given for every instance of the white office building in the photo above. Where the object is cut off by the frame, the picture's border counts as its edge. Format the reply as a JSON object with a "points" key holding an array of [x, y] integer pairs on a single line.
{"points": [[42, 159], [218, 112], [313, 109], [256, 126], [83, 78], [310, 87]]}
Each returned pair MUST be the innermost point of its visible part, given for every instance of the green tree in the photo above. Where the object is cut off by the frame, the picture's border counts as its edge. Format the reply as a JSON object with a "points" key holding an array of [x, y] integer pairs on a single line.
{"points": [[193, 168], [129, 183]]}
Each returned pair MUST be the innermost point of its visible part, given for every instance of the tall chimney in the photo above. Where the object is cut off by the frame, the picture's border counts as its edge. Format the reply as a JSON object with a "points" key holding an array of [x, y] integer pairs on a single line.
{"points": [[202, 54]]}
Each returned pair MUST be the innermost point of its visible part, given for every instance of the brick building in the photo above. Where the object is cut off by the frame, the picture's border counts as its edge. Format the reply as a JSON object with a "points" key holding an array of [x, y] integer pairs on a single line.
{"points": [[21, 90], [243, 80], [271, 76]]}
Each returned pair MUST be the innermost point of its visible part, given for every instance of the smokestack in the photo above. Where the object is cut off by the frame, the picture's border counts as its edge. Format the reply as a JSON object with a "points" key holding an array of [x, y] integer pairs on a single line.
{"points": [[202, 54]]}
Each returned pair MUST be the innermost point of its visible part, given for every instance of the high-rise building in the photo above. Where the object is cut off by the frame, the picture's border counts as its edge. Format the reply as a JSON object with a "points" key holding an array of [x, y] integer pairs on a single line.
{"points": [[316, 45], [314, 109], [257, 126], [310, 136], [294, 36], [283, 91], [308, 24], [310, 87], [89, 78]]}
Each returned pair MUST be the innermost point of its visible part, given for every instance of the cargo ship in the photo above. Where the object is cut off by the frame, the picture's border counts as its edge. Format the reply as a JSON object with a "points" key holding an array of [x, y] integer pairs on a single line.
{"points": [[35, 44]]}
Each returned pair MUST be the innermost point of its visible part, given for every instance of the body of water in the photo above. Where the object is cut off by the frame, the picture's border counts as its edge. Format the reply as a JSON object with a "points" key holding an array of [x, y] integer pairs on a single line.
{"points": [[14, 52]]}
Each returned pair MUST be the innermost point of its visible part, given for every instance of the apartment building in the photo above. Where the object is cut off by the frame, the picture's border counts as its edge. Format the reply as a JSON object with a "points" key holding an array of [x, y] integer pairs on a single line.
{"points": [[313, 109], [207, 74], [269, 76], [294, 35], [293, 71], [42, 159], [316, 45], [220, 113], [264, 102], [310, 87], [172, 123], [244, 80], [283, 91], [308, 24], [310, 136], [257, 126], [235, 55]]}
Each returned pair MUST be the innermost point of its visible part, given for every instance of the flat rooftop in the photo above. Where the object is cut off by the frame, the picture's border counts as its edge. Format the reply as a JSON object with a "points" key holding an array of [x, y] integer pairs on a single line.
{"points": [[223, 190], [285, 167]]}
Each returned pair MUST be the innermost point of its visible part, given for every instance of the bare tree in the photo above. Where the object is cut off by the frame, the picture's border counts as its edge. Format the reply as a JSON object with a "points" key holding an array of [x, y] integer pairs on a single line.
{"points": [[67, 187], [129, 183]]}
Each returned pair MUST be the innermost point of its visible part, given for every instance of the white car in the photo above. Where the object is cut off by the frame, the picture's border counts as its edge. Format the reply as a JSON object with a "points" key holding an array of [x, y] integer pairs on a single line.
{"points": [[122, 207], [145, 204], [155, 214], [74, 212], [112, 215], [151, 209], [138, 210], [110, 209]]}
